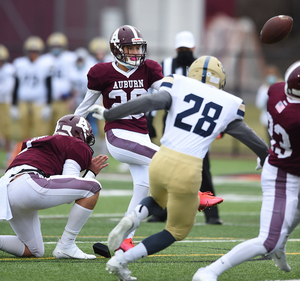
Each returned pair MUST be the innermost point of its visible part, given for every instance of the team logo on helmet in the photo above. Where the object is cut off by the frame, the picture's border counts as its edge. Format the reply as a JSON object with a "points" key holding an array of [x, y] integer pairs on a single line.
{"points": [[75, 126]]}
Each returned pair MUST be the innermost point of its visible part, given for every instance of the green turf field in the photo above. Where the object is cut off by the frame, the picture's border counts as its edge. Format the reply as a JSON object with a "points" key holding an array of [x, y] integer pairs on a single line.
{"points": [[205, 243]]}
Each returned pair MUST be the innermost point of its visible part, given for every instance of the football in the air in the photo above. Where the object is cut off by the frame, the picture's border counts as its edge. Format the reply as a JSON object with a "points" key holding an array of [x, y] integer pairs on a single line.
{"points": [[276, 29]]}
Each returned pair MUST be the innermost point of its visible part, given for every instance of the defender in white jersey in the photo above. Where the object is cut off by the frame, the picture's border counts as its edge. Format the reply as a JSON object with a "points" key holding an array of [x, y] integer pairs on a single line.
{"points": [[7, 81], [280, 181], [60, 59], [32, 96], [197, 114]]}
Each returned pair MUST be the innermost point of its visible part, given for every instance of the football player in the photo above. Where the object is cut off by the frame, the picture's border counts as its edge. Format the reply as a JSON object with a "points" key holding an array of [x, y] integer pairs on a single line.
{"points": [[98, 48], [185, 48], [77, 73], [280, 180], [7, 82], [198, 112], [32, 96], [45, 174], [124, 79], [59, 59]]}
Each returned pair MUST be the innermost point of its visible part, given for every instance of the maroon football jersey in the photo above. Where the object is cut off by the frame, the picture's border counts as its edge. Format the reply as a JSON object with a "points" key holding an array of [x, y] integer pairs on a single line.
{"points": [[119, 87], [49, 153], [284, 129]]}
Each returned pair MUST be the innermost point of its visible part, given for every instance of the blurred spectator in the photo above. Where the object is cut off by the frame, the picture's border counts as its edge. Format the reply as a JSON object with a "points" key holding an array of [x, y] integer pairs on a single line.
{"points": [[31, 104], [7, 82], [271, 76], [60, 60], [98, 47]]}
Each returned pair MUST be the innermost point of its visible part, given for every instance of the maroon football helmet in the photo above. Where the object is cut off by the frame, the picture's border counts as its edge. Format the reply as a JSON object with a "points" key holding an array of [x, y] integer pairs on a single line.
{"points": [[127, 35], [292, 81], [75, 126]]}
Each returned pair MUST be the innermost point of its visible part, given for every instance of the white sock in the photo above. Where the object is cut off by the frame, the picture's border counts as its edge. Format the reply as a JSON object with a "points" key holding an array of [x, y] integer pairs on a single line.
{"points": [[143, 211], [139, 193], [77, 218], [135, 253], [12, 245], [239, 254]]}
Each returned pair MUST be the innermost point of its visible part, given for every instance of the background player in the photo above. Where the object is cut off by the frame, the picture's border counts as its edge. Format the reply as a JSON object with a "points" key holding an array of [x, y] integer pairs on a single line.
{"points": [[32, 95], [197, 114], [7, 82], [60, 60], [280, 181], [124, 79], [45, 174]]}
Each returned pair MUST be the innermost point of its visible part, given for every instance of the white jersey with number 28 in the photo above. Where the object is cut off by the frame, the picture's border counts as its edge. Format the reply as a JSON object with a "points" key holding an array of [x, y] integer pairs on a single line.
{"points": [[198, 114]]}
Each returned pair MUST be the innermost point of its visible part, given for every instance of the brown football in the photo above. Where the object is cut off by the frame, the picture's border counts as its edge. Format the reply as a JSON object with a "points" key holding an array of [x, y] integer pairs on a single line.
{"points": [[276, 29]]}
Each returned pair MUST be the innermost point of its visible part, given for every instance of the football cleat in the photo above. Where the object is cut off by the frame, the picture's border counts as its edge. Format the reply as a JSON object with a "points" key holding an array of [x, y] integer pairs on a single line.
{"points": [[208, 200], [279, 258], [126, 245], [117, 265], [126, 225], [71, 252], [204, 274]]}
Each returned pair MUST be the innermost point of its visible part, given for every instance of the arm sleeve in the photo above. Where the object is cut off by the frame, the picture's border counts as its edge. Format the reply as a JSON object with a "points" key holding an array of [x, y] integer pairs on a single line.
{"points": [[160, 100], [241, 131], [71, 168], [90, 98]]}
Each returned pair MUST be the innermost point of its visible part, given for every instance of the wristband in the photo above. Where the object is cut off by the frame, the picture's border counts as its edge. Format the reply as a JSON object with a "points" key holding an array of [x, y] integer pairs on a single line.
{"points": [[89, 174]]}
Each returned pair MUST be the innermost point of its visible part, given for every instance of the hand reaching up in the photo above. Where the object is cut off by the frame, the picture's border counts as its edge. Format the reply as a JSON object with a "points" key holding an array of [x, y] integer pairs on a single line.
{"points": [[98, 164]]}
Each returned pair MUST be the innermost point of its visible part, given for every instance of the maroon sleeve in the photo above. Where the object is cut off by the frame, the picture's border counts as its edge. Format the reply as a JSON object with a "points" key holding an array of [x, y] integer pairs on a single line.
{"points": [[96, 76], [156, 71]]}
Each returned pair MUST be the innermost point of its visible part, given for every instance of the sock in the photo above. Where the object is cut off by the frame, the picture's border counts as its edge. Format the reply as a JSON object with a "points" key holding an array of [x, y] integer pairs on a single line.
{"points": [[77, 218], [139, 192], [143, 211], [239, 254], [159, 241], [152, 206], [12, 245], [135, 253]]}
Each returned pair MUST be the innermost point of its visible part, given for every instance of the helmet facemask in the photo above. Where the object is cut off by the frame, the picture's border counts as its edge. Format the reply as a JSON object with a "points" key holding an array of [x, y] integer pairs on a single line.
{"points": [[128, 36]]}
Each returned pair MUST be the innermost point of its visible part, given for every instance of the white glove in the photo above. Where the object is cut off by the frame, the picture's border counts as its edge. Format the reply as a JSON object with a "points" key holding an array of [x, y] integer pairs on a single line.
{"points": [[46, 112], [14, 112], [98, 111], [258, 166]]}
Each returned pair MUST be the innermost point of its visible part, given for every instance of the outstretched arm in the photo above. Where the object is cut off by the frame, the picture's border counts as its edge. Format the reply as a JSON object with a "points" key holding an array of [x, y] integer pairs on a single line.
{"points": [[241, 131], [90, 98], [159, 100]]}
